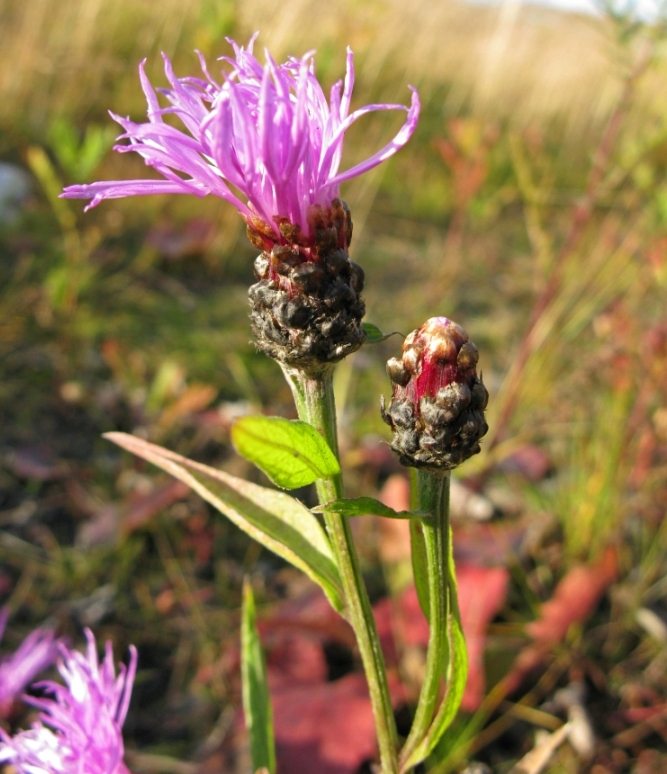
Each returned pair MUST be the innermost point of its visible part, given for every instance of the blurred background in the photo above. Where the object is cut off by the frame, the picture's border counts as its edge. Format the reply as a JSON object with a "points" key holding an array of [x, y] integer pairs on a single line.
{"points": [[530, 206]]}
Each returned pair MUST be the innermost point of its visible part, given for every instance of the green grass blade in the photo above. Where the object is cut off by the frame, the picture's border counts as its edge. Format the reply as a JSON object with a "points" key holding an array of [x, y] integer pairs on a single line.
{"points": [[256, 699]]}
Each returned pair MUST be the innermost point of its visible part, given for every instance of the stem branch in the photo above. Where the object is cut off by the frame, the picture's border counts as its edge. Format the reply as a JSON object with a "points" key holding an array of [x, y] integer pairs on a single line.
{"points": [[314, 399], [433, 498]]}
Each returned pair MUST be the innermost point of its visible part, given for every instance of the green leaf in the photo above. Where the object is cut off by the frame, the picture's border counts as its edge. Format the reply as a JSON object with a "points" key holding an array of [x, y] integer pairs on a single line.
{"points": [[256, 699], [420, 566], [364, 506], [374, 335], [275, 519], [291, 453]]}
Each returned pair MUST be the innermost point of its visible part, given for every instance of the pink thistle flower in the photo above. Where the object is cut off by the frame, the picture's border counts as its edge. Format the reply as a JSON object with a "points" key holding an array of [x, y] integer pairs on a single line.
{"points": [[267, 133], [37, 652], [80, 728]]}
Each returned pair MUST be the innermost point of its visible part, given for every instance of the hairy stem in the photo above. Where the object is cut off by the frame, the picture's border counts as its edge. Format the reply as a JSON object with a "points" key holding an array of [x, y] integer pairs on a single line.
{"points": [[314, 399], [432, 498]]}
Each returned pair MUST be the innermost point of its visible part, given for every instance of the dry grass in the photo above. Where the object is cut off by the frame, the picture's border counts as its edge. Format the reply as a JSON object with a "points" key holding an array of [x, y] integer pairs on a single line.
{"points": [[521, 63]]}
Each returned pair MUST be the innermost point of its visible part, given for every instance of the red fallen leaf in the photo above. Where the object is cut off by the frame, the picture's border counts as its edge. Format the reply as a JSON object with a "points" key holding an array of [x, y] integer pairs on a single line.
{"points": [[325, 727], [394, 534], [575, 598], [482, 592], [294, 659], [319, 725], [293, 637], [310, 614], [640, 714]]}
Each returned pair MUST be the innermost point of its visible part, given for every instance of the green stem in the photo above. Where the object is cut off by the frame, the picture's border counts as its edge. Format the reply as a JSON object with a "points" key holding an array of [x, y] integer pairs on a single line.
{"points": [[432, 498], [314, 399]]}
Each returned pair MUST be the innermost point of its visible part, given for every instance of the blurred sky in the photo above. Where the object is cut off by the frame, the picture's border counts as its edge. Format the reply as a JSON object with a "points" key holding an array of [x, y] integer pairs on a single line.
{"points": [[647, 10]]}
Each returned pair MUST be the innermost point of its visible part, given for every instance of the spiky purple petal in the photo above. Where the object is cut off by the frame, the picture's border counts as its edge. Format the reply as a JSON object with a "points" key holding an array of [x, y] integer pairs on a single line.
{"points": [[37, 652], [268, 132], [81, 721]]}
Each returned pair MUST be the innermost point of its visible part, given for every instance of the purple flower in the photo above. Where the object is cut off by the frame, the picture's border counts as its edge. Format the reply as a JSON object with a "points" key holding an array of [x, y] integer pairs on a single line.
{"points": [[265, 134], [37, 652], [84, 718]]}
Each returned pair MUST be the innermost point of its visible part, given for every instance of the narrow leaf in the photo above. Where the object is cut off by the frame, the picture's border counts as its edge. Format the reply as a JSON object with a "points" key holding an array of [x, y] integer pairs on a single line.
{"points": [[456, 673], [364, 506], [374, 335], [291, 453], [275, 519], [420, 566], [256, 699]]}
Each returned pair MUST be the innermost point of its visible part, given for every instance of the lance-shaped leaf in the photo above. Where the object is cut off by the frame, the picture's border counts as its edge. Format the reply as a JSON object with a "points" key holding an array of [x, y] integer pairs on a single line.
{"points": [[420, 566], [455, 673], [365, 506], [275, 519], [291, 453], [256, 699]]}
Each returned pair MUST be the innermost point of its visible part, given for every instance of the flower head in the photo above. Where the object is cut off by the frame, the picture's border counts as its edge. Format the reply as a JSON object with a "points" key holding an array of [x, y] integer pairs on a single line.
{"points": [[37, 652], [265, 139], [81, 721], [438, 401]]}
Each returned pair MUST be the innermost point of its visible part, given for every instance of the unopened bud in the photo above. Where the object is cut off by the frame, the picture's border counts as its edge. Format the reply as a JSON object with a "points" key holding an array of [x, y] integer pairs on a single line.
{"points": [[438, 401]]}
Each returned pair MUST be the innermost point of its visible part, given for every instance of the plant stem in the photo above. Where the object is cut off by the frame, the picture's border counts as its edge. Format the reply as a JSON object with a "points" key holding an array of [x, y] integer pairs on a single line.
{"points": [[432, 498], [314, 399]]}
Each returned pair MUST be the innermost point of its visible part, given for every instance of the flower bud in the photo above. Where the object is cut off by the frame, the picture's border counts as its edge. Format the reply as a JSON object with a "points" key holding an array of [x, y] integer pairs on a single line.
{"points": [[438, 401], [306, 309]]}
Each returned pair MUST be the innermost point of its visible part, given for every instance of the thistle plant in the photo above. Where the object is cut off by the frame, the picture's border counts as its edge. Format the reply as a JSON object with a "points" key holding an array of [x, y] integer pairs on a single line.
{"points": [[265, 139]]}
